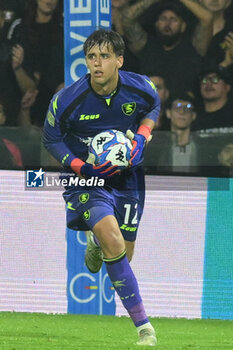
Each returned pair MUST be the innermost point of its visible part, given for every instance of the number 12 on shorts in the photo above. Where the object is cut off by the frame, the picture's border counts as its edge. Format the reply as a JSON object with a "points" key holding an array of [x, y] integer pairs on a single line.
{"points": [[134, 220]]}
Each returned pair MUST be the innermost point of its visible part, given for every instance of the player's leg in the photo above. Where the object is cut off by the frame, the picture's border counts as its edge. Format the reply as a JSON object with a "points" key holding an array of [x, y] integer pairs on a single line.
{"points": [[129, 246], [83, 215], [94, 253], [123, 279], [128, 213]]}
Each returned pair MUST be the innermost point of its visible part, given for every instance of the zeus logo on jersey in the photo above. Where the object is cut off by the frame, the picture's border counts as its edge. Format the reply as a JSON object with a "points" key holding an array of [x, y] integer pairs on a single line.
{"points": [[128, 228], [89, 116]]}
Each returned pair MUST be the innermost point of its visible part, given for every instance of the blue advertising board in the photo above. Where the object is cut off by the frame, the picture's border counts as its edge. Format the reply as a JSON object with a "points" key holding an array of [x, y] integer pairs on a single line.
{"points": [[87, 293], [81, 18]]}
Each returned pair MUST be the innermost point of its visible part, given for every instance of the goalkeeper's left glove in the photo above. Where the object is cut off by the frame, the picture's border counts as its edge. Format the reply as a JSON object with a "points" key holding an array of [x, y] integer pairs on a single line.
{"points": [[89, 169], [139, 141]]}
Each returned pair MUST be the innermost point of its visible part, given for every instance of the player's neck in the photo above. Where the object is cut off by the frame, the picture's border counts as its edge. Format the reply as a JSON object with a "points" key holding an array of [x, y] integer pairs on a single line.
{"points": [[106, 88]]}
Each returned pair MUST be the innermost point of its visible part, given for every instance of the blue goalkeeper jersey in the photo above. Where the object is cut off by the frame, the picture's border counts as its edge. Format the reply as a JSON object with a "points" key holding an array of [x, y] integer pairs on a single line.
{"points": [[76, 114]]}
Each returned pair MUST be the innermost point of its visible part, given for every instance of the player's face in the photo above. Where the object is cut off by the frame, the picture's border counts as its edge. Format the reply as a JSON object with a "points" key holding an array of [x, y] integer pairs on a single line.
{"points": [[215, 5], [181, 114], [103, 65], [169, 23], [213, 88]]}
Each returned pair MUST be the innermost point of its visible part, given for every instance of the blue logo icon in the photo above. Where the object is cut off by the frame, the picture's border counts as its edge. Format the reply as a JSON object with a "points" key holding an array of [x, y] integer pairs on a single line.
{"points": [[35, 178]]}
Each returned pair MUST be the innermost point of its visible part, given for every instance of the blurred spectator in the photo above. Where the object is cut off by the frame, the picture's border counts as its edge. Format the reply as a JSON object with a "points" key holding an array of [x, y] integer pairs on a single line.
{"points": [[203, 31], [40, 33], [218, 8], [11, 156], [177, 150], [219, 154], [221, 47], [169, 51], [26, 79], [216, 113], [163, 92], [13, 9], [118, 7], [199, 22], [225, 156], [12, 71], [24, 117]]}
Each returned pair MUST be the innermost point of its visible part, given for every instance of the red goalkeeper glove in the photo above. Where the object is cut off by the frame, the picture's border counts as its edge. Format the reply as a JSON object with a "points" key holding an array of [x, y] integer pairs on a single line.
{"points": [[139, 141], [88, 170]]}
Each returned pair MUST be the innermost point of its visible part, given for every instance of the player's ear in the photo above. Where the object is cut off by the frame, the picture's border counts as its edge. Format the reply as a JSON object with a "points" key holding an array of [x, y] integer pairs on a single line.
{"points": [[120, 61]]}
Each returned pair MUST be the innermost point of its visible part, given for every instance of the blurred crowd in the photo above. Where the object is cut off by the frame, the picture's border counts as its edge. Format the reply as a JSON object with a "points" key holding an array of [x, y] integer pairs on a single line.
{"points": [[184, 46]]}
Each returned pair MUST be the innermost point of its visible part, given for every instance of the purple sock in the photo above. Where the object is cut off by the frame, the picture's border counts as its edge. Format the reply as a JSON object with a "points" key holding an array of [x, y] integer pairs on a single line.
{"points": [[138, 315], [126, 286]]}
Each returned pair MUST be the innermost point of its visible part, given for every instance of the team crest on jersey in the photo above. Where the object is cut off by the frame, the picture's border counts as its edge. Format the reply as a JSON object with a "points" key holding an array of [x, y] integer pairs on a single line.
{"points": [[87, 214], [128, 108], [83, 198]]}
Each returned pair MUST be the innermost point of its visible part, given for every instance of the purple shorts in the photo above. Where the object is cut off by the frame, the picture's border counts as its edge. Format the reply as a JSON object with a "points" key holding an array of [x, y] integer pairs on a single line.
{"points": [[85, 209]]}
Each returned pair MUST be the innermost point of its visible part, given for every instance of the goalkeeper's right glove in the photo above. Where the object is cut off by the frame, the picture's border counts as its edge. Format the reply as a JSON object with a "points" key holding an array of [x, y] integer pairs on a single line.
{"points": [[139, 141], [88, 170]]}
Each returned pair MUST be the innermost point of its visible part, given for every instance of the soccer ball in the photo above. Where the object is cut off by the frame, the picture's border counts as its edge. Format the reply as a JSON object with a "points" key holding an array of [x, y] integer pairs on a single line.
{"points": [[111, 145]]}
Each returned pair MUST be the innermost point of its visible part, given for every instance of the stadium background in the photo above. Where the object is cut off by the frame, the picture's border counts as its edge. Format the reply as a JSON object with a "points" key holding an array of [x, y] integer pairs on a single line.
{"points": [[183, 258]]}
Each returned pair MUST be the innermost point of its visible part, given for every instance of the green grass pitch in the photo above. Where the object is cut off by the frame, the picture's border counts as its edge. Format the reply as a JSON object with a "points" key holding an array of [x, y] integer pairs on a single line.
{"points": [[32, 331]]}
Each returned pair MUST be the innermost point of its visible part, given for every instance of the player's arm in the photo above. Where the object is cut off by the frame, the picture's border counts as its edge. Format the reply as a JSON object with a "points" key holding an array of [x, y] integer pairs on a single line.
{"points": [[53, 141], [143, 135]]}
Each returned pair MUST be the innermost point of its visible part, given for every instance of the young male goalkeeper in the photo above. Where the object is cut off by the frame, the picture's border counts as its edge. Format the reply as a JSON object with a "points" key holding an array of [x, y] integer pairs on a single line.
{"points": [[106, 99]]}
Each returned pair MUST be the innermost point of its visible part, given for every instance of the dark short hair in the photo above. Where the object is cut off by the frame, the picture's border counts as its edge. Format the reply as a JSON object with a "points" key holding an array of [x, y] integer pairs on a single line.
{"points": [[185, 96], [105, 37], [222, 72], [173, 5]]}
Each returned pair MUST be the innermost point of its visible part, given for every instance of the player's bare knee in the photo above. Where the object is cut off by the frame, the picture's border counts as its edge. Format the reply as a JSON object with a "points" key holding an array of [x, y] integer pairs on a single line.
{"points": [[108, 233], [114, 245]]}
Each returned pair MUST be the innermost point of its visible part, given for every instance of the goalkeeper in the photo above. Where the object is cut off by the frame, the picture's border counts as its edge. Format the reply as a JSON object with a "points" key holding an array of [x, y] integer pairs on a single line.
{"points": [[106, 98]]}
